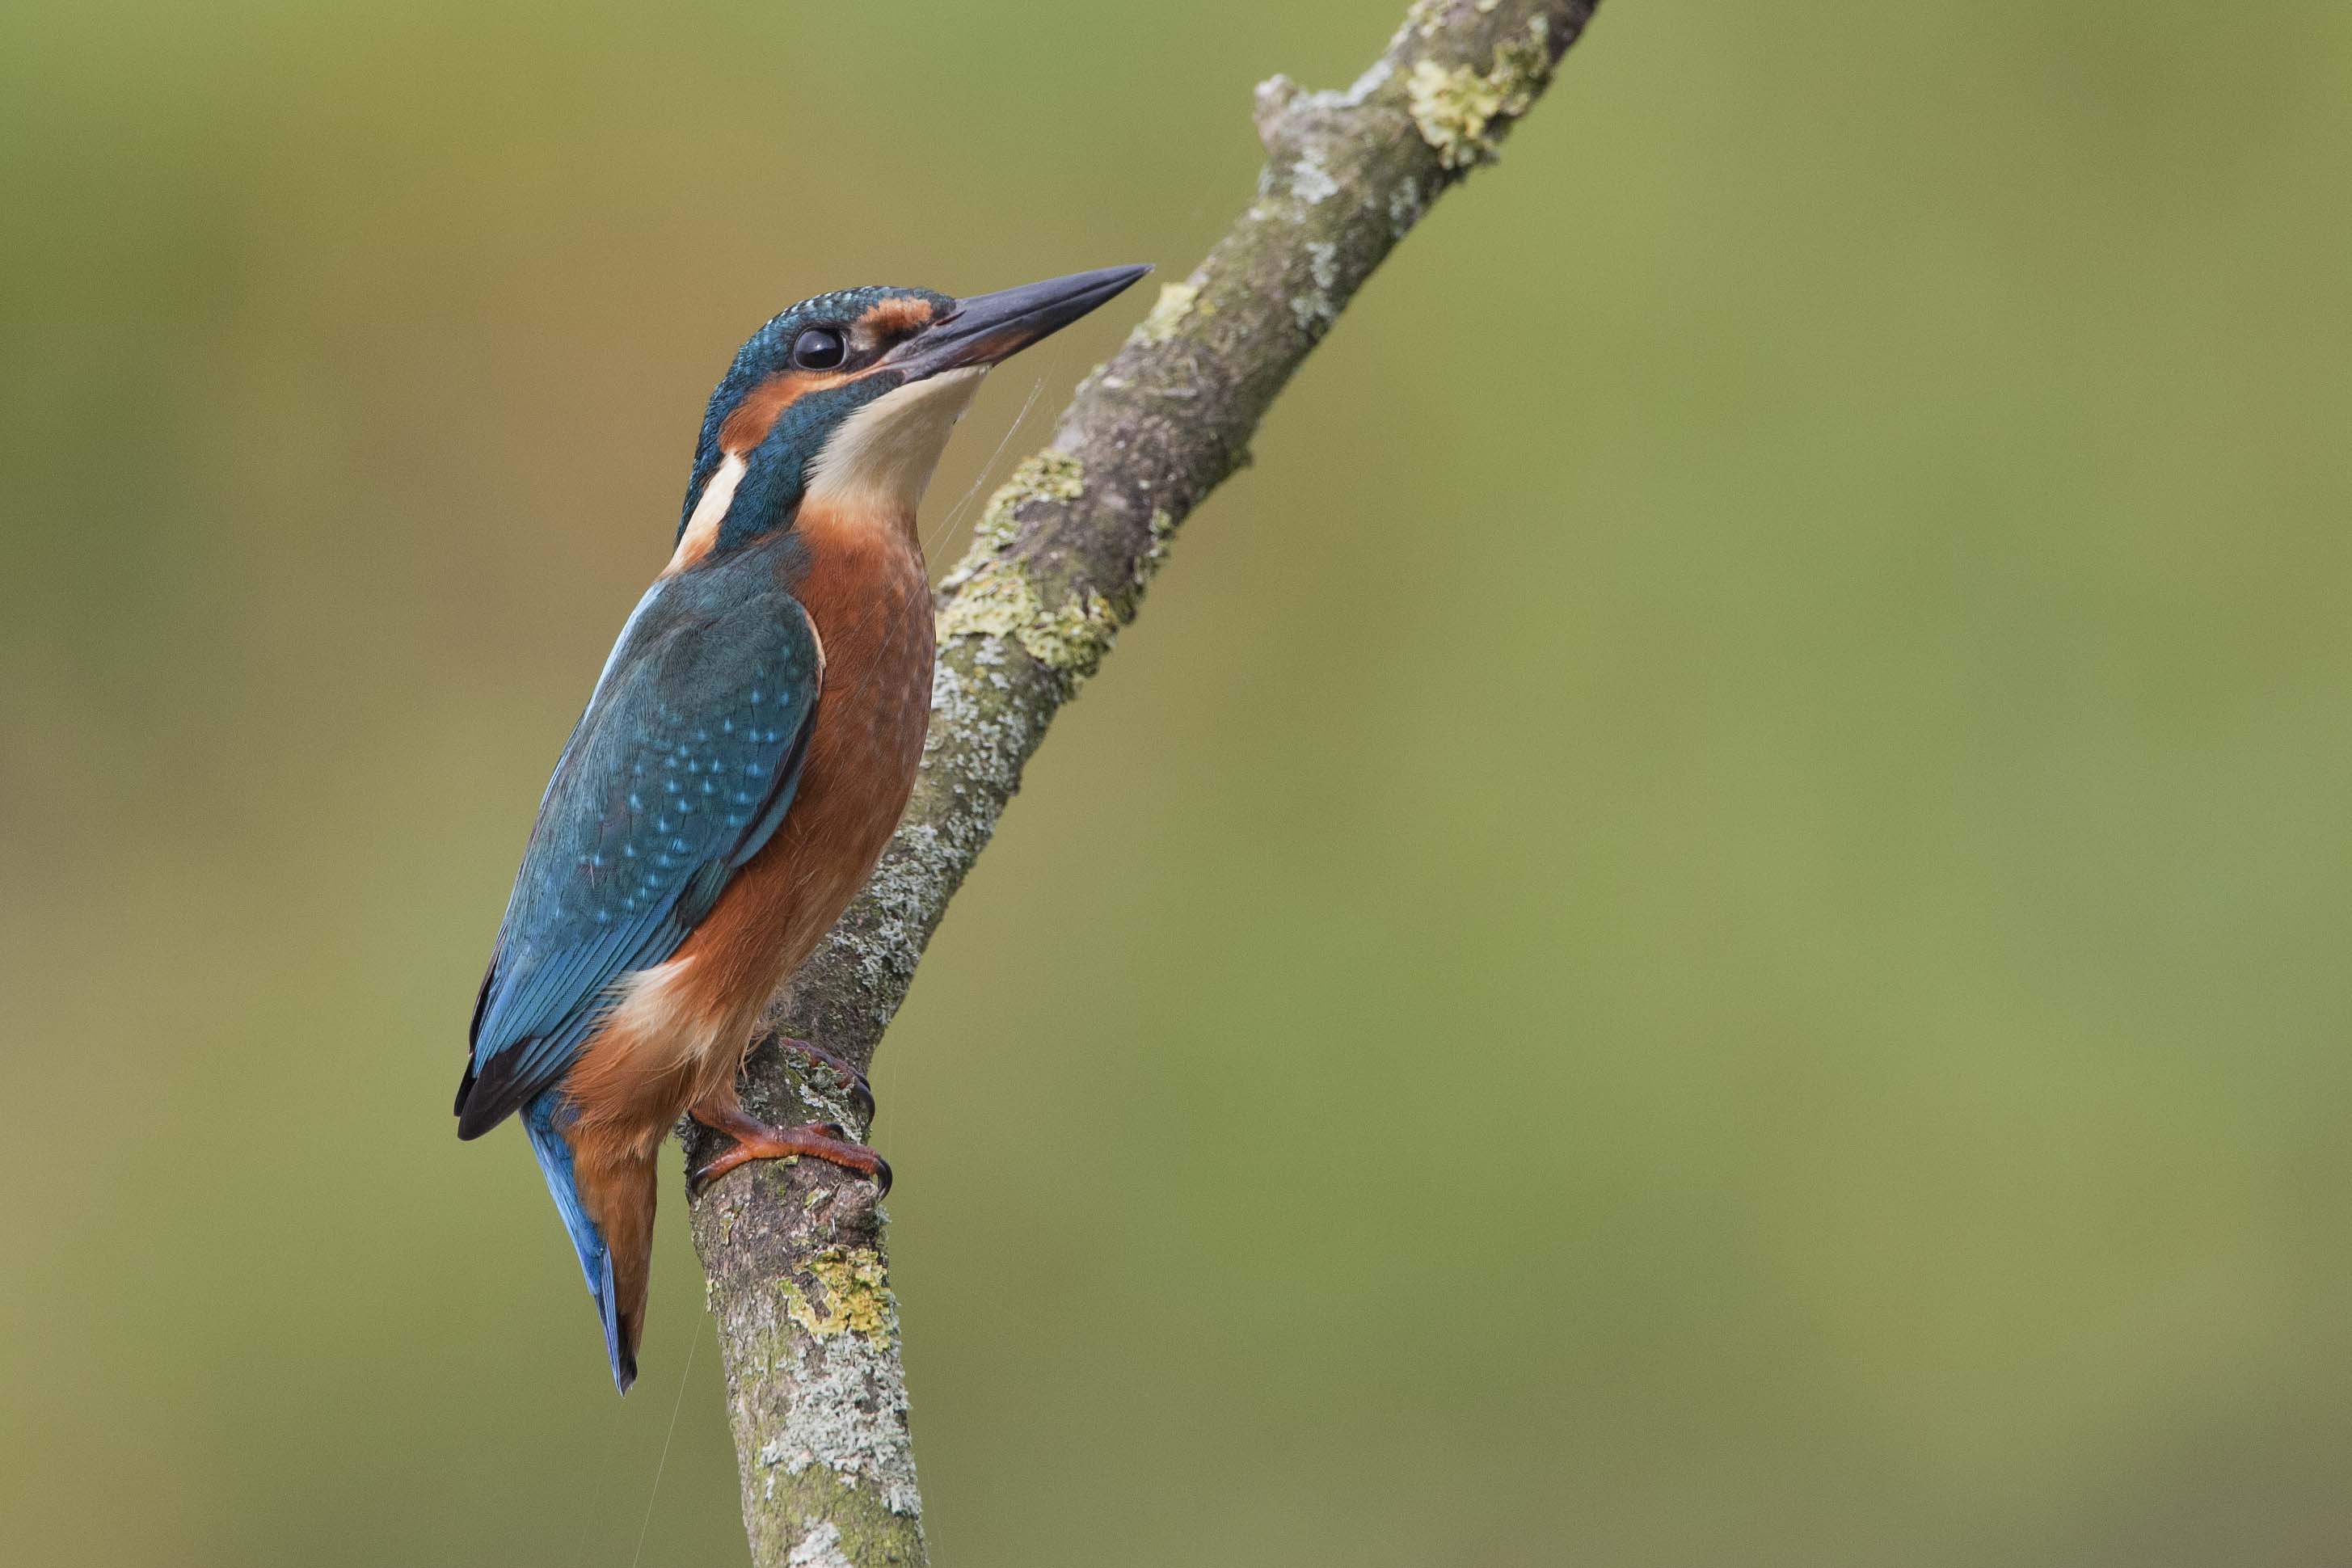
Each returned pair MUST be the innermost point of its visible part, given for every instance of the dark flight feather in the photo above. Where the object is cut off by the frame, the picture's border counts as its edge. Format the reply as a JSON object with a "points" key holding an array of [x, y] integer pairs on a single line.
{"points": [[681, 768]]}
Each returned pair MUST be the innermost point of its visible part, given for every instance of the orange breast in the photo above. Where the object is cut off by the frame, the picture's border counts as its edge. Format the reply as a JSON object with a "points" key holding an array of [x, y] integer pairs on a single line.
{"points": [[677, 1039], [866, 594]]}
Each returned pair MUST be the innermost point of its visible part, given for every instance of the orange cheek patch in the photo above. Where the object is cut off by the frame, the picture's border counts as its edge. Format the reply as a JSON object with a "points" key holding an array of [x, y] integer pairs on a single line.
{"points": [[899, 314], [757, 415]]}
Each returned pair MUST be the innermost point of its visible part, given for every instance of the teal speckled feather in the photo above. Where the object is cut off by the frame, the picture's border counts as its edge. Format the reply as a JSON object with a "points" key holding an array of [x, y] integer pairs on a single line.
{"points": [[680, 769]]}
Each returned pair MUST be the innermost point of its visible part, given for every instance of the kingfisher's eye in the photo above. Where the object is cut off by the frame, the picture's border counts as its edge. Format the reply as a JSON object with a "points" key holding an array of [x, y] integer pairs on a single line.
{"points": [[817, 347]]}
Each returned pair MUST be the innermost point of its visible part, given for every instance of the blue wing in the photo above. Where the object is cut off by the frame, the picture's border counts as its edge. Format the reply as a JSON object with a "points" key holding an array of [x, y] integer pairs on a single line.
{"points": [[680, 769]]}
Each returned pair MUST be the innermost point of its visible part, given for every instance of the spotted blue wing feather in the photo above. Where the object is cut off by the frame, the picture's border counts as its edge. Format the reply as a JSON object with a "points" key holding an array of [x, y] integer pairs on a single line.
{"points": [[680, 770]]}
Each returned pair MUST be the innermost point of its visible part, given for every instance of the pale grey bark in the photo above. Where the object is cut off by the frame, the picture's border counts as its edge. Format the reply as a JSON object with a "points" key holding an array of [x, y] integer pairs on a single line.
{"points": [[807, 1322]]}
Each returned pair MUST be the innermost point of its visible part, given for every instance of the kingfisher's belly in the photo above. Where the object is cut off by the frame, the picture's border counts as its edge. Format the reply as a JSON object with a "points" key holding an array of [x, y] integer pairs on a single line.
{"points": [[871, 607], [678, 1036]]}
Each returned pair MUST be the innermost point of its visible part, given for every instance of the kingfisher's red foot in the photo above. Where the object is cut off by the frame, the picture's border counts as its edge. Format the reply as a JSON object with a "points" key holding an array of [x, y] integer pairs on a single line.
{"points": [[861, 1093], [756, 1139]]}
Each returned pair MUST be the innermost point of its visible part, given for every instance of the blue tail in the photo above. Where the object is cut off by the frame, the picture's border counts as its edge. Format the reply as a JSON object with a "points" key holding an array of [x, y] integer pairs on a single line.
{"points": [[544, 1117]]}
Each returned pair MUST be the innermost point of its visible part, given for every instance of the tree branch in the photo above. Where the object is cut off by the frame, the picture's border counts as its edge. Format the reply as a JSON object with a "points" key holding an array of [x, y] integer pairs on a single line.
{"points": [[807, 1322]]}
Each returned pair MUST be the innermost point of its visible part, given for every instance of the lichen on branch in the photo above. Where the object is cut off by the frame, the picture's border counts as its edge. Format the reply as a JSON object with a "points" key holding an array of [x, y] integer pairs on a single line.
{"points": [[1058, 564], [1462, 112]]}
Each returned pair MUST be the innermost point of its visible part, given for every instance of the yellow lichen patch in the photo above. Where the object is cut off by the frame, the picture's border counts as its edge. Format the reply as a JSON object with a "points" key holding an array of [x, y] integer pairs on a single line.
{"points": [[990, 596], [993, 600], [1168, 312], [1463, 113], [1046, 474], [1073, 637], [857, 1296], [1043, 475], [998, 600]]}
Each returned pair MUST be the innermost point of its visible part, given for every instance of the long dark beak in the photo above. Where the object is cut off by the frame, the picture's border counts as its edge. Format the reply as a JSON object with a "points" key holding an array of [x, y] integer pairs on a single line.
{"points": [[987, 328]]}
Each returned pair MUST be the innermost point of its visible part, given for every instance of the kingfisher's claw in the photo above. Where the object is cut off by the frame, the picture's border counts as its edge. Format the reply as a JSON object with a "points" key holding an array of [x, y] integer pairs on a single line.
{"points": [[859, 1091], [755, 1140]]}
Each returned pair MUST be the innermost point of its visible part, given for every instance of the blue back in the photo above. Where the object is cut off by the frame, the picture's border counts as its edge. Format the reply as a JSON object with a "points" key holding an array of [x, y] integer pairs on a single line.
{"points": [[678, 772]]}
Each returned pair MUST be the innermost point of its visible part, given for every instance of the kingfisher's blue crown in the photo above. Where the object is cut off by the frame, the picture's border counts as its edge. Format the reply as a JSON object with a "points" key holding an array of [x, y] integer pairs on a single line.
{"points": [[768, 350]]}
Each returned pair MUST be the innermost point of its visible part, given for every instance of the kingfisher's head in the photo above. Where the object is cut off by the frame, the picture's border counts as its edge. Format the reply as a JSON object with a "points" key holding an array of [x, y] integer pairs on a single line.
{"points": [[844, 401]]}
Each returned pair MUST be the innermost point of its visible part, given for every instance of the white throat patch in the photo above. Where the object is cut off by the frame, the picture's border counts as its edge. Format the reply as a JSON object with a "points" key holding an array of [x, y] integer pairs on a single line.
{"points": [[883, 454]]}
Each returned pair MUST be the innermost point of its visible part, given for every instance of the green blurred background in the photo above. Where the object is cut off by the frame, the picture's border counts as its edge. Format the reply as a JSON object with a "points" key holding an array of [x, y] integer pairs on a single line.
{"points": [[1706, 921]]}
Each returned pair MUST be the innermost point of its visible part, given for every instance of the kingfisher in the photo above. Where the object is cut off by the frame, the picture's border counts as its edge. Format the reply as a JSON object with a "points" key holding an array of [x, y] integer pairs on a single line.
{"points": [[743, 758]]}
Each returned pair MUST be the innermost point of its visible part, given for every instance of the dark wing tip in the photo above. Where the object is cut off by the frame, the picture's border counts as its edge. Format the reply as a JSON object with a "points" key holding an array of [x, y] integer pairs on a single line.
{"points": [[488, 1095], [621, 1328]]}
